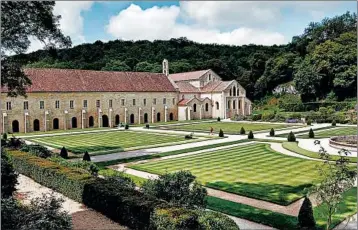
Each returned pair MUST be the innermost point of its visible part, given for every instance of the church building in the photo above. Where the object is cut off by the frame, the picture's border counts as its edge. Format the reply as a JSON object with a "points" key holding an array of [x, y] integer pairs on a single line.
{"points": [[67, 98]]}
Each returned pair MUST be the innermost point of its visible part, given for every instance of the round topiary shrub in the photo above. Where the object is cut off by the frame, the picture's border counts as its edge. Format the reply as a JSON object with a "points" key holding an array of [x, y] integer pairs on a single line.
{"points": [[64, 153], [86, 157], [334, 123], [221, 133], [242, 131], [4, 136], [309, 122], [305, 216], [311, 134], [272, 132], [147, 126], [126, 127], [251, 135], [219, 119], [291, 137]]}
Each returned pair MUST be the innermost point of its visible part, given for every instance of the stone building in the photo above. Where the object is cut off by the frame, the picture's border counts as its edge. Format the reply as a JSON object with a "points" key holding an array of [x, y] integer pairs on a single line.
{"points": [[65, 99]]}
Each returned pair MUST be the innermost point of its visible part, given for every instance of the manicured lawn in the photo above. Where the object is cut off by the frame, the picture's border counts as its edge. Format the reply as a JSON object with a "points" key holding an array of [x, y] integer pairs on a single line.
{"points": [[227, 127], [339, 131], [105, 142], [107, 172], [252, 170], [293, 146], [58, 131]]}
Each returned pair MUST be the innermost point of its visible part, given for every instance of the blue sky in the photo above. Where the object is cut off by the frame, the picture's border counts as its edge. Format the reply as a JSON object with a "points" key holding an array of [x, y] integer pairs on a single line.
{"points": [[234, 23]]}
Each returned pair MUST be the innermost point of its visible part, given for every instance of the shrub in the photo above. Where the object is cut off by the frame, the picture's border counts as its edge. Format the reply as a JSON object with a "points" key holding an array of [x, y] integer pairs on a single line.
{"points": [[86, 156], [8, 175], [272, 132], [291, 137], [309, 122], [268, 116], [216, 221], [189, 136], [221, 133], [85, 165], [4, 136], [147, 126], [251, 135], [37, 150], [311, 134], [305, 216], [334, 123], [242, 131], [64, 153], [219, 119], [126, 127], [256, 117], [15, 143]]}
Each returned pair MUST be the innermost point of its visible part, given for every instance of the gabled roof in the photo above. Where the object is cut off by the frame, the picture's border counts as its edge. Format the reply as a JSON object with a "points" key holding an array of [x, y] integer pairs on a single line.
{"points": [[186, 87], [187, 75], [216, 86], [184, 102], [70, 80]]}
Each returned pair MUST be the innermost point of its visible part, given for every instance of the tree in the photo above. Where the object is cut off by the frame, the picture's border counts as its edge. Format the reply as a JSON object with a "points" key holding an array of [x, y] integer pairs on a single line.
{"points": [[221, 133], [64, 153], [8, 175], [336, 178], [291, 137], [116, 65], [242, 131], [86, 156], [148, 67], [251, 135], [19, 22], [311, 133], [179, 188], [272, 132], [305, 216]]}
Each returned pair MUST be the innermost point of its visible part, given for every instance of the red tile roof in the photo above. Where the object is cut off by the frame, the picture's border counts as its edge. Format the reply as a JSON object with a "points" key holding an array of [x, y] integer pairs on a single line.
{"points": [[183, 102], [70, 80], [216, 86], [187, 75], [186, 87]]}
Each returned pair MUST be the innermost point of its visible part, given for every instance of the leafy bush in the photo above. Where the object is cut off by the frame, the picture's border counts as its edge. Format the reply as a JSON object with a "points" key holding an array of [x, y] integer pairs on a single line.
{"points": [[305, 216], [218, 119], [8, 175], [4, 136], [268, 116], [256, 117], [90, 167], [216, 221], [64, 153], [86, 157], [334, 123], [309, 122], [37, 150], [279, 117], [15, 143], [311, 133], [126, 127], [242, 131], [251, 135], [221, 133], [147, 126], [291, 137], [272, 132]]}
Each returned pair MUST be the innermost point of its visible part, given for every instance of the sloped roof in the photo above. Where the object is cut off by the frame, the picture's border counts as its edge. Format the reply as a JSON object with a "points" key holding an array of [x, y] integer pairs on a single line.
{"points": [[70, 80], [186, 87], [187, 75], [184, 102], [216, 86]]}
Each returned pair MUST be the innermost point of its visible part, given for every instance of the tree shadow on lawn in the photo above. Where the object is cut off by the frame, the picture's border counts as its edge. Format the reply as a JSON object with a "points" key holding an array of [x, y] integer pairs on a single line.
{"points": [[276, 193], [91, 149]]}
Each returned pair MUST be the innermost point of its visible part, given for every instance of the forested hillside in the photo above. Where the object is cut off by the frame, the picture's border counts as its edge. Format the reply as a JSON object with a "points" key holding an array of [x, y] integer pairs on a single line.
{"points": [[321, 61]]}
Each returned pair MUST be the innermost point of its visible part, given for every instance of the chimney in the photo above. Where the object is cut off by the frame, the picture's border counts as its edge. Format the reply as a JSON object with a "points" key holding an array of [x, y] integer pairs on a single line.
{"points": [[166, 67]]}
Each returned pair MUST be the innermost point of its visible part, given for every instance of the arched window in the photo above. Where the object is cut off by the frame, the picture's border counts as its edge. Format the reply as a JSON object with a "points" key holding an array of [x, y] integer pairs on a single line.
{"points": [[234, 104], [55, 123], [171, 116], [105, 122], [228, 104], [207, 107], [131, 118], [74, 122], [239, 104], [158, 117], [237, 91], [217, 105], [117, 120], [36, 125], [234, 90], [230, 92], [194, 108], [146, 118], [15, 126]]}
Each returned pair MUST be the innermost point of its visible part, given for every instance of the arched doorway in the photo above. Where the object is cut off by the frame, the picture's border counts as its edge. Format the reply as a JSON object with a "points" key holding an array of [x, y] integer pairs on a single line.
{"points": [[158, 117], [105, 122], [55, 123], [146, 118], [171, 117], [131, 118], [90, 121], [194, 108], [15, 126], [74, 122], [117, 120], [36, 125]]}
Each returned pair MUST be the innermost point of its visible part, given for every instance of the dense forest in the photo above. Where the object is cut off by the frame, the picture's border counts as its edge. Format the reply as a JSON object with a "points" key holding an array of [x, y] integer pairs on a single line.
{"points": [[321, 62]]}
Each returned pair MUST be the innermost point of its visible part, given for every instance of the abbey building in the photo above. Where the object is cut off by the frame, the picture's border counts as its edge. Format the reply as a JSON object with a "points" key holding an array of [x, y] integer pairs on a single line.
{"points": [[65, 99]]}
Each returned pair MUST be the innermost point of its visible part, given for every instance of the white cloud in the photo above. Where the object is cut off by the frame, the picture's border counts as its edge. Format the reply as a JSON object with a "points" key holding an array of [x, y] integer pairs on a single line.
{"points": [[135, 23]]}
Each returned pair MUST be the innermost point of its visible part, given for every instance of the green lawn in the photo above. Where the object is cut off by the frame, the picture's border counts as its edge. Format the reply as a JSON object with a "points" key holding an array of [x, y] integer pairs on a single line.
{"points": [[105, 142], [58, 131], [227, 127], [338, 131], [252, 170]]}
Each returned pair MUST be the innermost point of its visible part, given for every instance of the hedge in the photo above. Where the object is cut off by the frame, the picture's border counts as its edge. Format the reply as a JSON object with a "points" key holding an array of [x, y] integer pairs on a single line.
{"points": [[303, 107]]}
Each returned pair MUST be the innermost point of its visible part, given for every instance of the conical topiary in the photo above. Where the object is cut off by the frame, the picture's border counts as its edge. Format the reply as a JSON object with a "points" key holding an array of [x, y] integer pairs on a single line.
{"points": [[64, 153], [309, 122], [4, 136], [305, 216], [242, 131], [221, 133], [219, 119], [334, 123], [251, 135], [272, 132], [86, 157], [311, 134], [291, 137]]}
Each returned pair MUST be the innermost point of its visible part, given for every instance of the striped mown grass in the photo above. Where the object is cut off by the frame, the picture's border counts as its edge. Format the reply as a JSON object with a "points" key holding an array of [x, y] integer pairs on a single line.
{"points": [[96, 143], [252, 170], [339, 131]]}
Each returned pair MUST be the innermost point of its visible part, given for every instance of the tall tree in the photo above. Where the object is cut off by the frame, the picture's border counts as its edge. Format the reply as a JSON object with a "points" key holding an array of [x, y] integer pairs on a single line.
{"points": [[21, 21]]}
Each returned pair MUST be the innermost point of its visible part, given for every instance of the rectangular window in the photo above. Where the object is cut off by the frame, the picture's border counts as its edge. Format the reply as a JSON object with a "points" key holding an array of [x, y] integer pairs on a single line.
{"points": [[110, 103], [144, 102], [122, 102], [71, 104], [42, 104], [164, 101], [133, 101], [8, 105], [173, 101], [57, 104], [98, 103], [84, 103], [154, 101], [26, 105]]}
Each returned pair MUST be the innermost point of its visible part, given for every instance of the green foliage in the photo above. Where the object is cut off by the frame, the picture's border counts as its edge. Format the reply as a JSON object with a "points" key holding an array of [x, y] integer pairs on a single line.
{"points": [[64, 153], [218, 119], [272, 132], [221, 133], [305, 216], [216, 221], [86, 157], [126, 126], [179, 189], [334, 123], [37, 150], [8, 175], [268, 116], [291, 137], [4, 136], [309, 122], [90, 167], [147, 126], [242, 131], [116, 65], [311, 133], [251, 135], [256, 117]]}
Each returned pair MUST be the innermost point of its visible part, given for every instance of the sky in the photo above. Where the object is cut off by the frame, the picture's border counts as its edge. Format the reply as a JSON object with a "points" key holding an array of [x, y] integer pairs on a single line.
{"points": [[221, 22]]}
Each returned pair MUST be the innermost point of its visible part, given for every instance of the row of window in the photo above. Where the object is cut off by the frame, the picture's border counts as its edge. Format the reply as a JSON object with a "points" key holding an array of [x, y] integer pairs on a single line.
{"points": [[85, 103]]}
